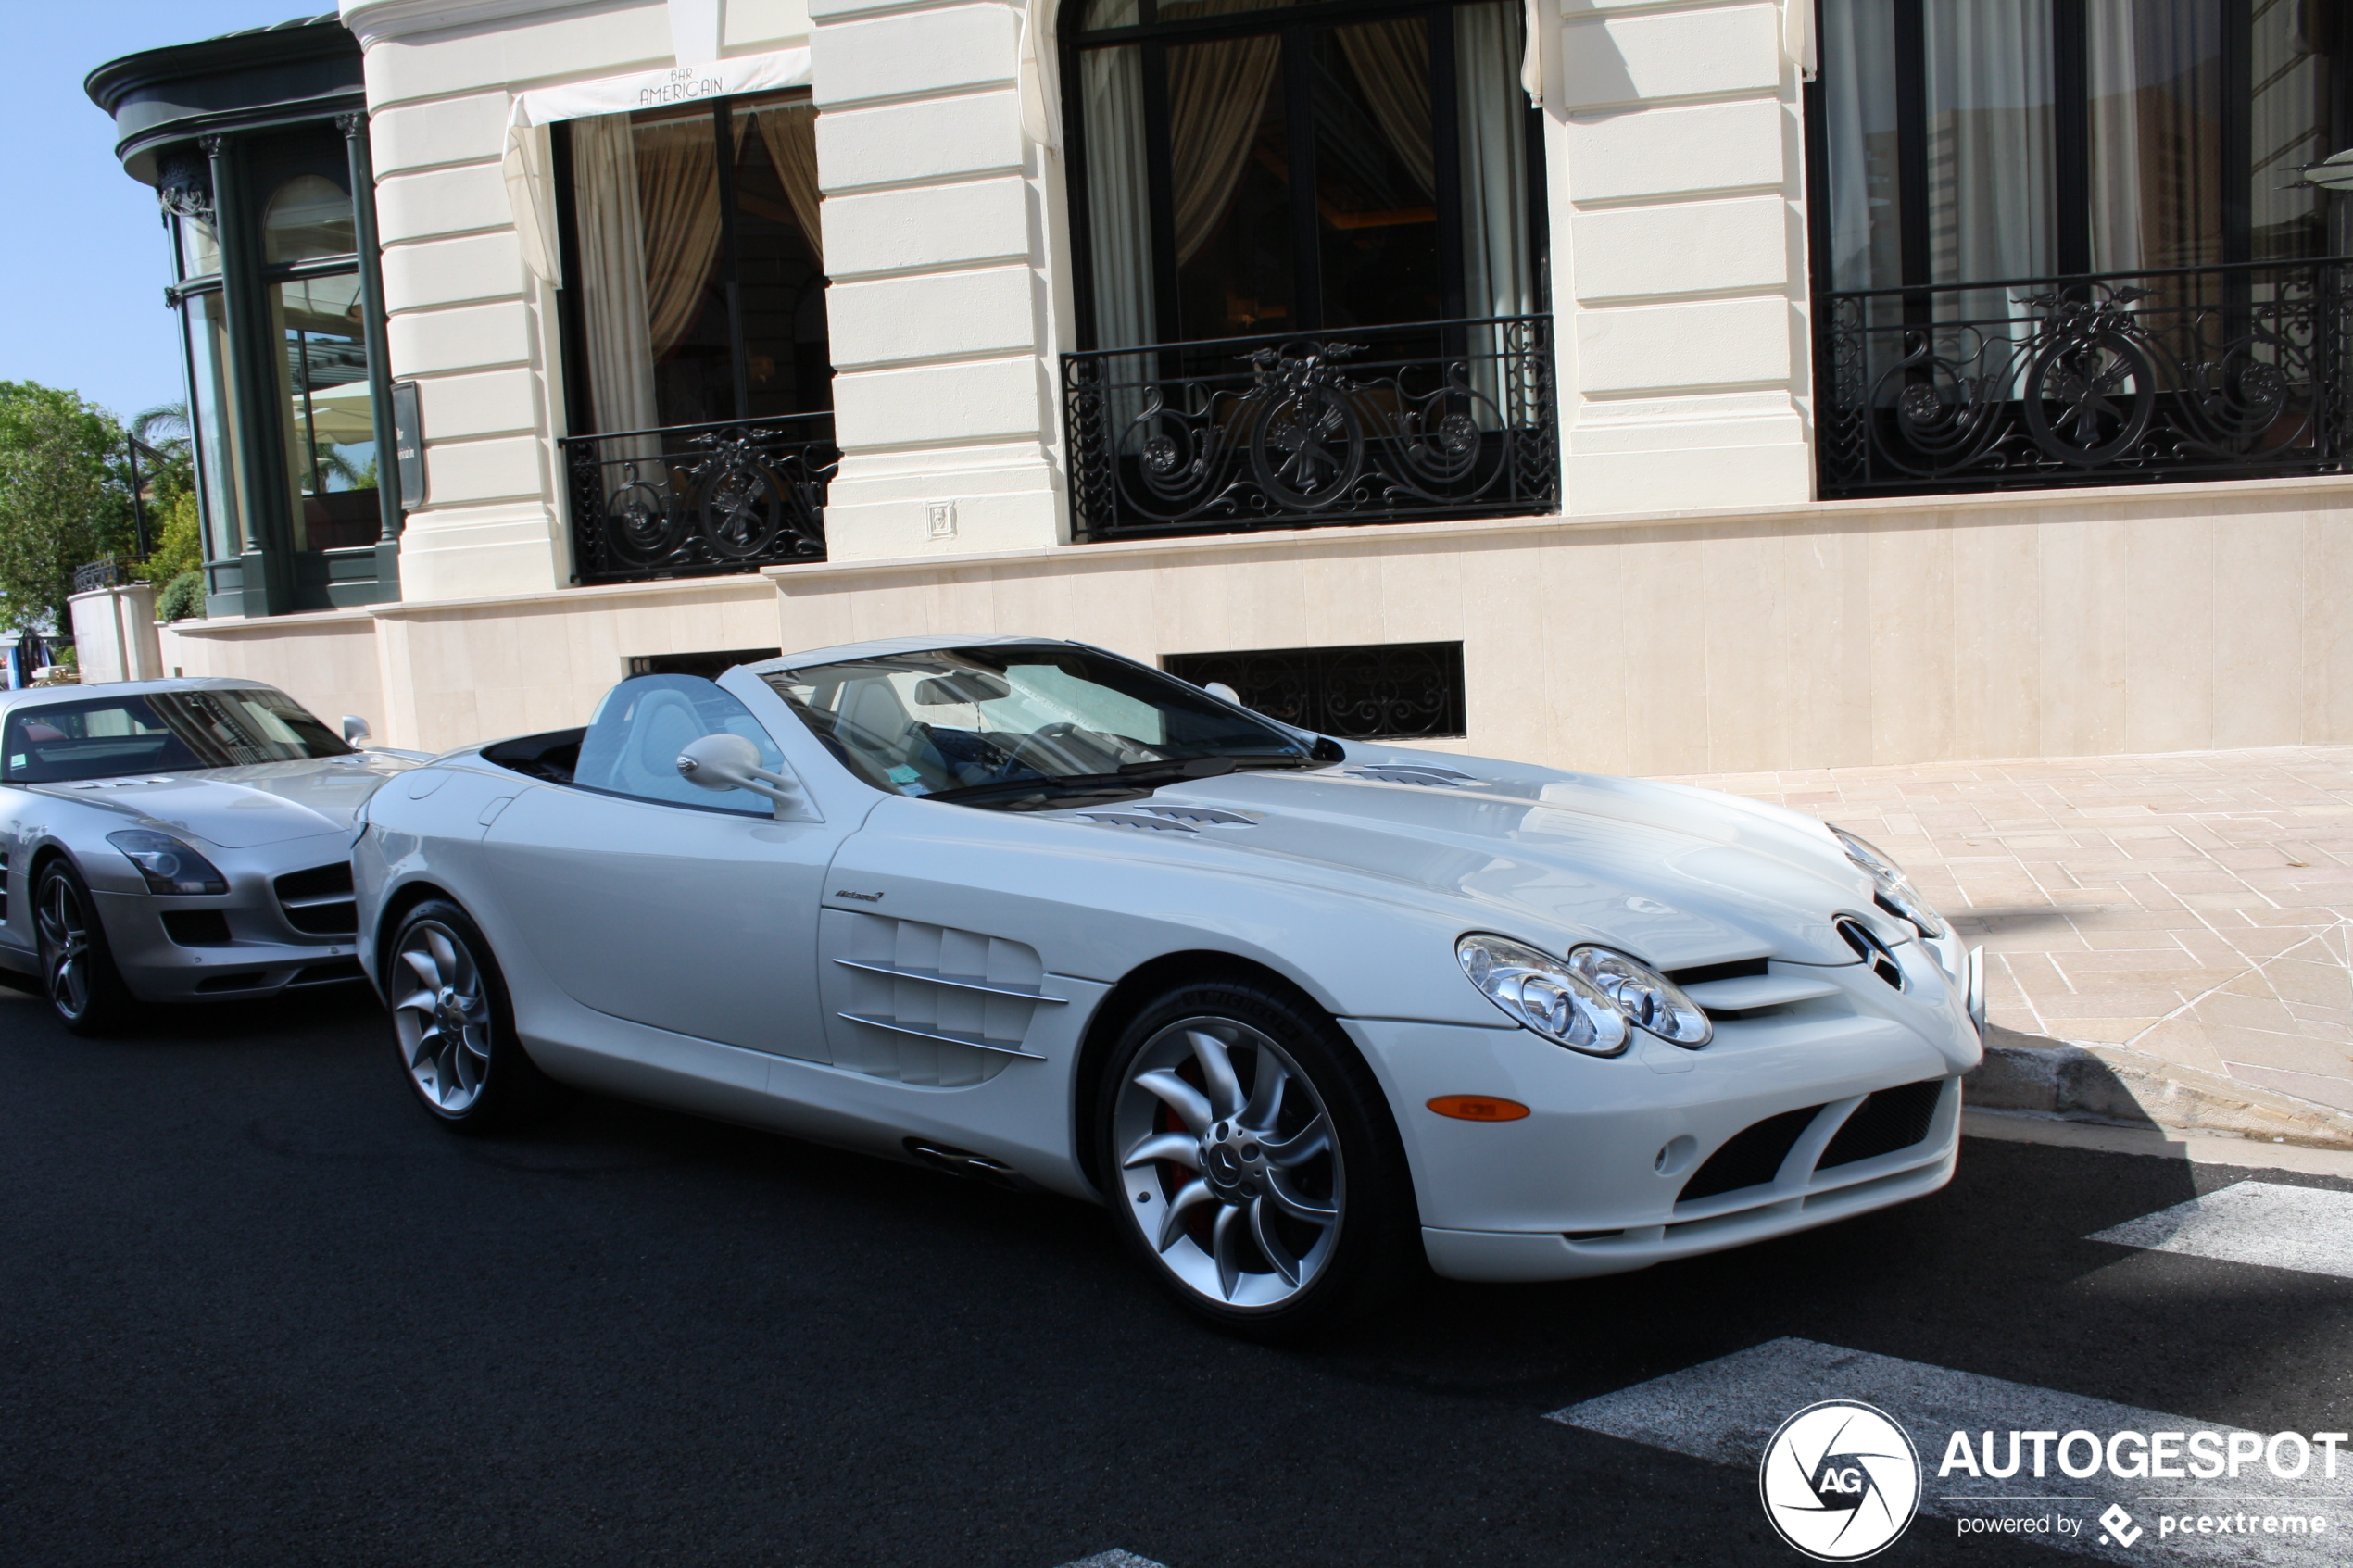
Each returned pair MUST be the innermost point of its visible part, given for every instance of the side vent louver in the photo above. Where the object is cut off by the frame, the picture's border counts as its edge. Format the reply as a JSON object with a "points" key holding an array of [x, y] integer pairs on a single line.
{"points": [[931, 1004]]}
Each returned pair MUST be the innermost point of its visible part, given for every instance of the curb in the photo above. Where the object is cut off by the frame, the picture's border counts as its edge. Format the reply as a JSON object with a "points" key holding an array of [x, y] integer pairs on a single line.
{"points": [[2119, 1086]]}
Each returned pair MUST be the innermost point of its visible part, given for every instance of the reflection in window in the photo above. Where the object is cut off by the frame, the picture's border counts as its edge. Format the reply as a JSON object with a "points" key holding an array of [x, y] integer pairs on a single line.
{"points": [[310, 217], [217, 459], [1304, 188], [329, 422], [654, 221]]}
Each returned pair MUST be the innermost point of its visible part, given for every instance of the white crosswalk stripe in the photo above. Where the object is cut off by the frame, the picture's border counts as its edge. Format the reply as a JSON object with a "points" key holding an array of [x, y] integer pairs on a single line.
{"points": [[1726, 1410], [1115, 1557], [2309, 1229]]}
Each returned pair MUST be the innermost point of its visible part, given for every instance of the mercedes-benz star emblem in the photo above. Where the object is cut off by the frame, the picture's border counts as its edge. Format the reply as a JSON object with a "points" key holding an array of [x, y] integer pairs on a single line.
{"points": [[1840, 1481]]}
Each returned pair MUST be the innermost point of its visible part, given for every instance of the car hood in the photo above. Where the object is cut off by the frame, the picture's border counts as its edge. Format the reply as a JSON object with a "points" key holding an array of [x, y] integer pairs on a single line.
{"points": [[238, 808], [1675, 875]]}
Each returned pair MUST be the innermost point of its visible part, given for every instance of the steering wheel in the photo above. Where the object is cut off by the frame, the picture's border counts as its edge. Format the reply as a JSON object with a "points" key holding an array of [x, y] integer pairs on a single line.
{"points": [[1039, 753]]}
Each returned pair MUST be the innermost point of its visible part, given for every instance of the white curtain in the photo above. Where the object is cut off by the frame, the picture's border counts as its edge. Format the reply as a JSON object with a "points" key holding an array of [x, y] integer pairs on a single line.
{"points": [[678, 197], [613, 264], [1119, 221], [1498, 272], [1990, 161], [1859, 81]]}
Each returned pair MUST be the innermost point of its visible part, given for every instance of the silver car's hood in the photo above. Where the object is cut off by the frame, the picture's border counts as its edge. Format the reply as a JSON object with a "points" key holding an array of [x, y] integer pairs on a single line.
{"points": [[238, 808], [1678, 876]]}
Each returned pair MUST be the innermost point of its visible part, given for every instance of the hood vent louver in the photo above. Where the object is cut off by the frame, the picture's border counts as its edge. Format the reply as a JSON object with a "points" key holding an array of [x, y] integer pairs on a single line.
{"points": [[1135, 819], [1426, 773], [1168, 819]]}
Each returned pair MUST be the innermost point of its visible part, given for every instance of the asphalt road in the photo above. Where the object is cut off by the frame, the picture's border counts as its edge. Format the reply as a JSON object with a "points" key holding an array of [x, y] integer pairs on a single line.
{"points": [[255, 1309]]}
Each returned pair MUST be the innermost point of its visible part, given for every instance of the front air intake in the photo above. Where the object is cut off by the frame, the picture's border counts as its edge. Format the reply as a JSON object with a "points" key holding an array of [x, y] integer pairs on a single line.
{"points": [[1750, 1157], [1886, 1122]]}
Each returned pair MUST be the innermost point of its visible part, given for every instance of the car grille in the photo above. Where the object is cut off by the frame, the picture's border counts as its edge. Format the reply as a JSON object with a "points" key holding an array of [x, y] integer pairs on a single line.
{"points": [[1871, 950], [1886, 1122], [319, 902]]}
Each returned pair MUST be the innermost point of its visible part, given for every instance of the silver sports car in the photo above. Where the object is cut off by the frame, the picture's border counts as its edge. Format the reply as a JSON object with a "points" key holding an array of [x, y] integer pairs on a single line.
{"points": [[182, 840]]}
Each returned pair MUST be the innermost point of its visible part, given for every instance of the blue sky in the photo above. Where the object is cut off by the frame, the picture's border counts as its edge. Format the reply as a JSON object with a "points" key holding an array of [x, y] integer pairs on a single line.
{"points": [[82, 264]]}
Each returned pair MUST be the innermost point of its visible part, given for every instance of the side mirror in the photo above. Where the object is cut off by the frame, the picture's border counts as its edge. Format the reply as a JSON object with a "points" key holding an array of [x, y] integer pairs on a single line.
{"points": [[724, 761], [1225, 693], [355, 729]]}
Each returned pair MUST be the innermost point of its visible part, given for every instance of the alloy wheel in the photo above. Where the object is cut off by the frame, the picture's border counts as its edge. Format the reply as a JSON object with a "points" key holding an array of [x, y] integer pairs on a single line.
{"points": [[1231, 1170], [444, 1018], [65, 943]]}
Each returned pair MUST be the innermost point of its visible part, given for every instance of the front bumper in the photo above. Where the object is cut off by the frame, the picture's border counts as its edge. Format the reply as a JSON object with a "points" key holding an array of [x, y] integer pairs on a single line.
{"points": [[1592, 1181], [262, 957]]}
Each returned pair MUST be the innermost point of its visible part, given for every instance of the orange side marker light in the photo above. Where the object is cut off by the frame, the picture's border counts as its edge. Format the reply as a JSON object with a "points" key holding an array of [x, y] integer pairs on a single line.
{"points": [[1478, 1107]]}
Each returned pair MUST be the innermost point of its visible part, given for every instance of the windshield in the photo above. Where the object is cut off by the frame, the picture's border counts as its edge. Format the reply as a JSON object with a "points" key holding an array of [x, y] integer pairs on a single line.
{"points": [[991, 725], [160, 733]]}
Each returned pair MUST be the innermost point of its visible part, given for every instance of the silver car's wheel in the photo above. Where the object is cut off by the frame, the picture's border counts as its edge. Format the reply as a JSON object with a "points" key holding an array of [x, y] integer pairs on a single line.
{"points": [[77, 972], [1233, 1173], [441, 1009]]}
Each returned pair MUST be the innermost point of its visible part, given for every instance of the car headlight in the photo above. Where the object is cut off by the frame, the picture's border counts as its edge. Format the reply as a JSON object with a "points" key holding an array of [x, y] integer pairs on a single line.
{"points": [[1539, 992], [1591, 1001], [1892, 887], [1648, 999], [169, 865]]}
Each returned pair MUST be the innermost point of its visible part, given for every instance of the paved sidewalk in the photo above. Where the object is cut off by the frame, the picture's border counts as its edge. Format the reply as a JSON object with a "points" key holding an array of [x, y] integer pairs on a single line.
{"points": [[2196, 906]]}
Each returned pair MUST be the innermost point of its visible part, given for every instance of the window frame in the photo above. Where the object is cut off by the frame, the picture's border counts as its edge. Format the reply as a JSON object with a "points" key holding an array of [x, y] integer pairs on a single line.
{"points": [[1290, 24]]}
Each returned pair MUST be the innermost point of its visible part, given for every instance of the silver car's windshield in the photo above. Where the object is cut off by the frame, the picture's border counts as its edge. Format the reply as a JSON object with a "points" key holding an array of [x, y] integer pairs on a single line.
{"points": [[158, 732], [989, 725]]}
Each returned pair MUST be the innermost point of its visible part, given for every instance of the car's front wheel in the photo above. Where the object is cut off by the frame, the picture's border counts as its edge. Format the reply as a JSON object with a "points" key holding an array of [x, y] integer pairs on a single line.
{"points": [[1259, 1172], [455, 1027], [78, 974]]}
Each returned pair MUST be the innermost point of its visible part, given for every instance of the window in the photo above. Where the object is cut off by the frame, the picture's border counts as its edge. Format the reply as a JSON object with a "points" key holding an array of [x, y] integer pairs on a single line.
{"points": [[632, 745], [1010, 725], [695, 242], [1244, 169], [1393, 691], [2064, 242], [161, 731]]}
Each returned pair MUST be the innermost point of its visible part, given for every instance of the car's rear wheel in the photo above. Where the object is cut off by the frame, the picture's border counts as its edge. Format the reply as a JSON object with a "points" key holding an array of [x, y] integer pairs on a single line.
{"points": [[78, 974], [451, 1017], [1258, 1169]]}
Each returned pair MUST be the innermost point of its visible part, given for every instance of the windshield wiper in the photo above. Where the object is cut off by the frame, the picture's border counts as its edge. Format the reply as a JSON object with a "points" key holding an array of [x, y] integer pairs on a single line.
{"points": [[1132, 776]]}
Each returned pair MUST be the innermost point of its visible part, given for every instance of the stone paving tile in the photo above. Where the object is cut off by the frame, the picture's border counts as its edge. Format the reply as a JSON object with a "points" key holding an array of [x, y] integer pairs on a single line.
{"points": [[2198, 905]]}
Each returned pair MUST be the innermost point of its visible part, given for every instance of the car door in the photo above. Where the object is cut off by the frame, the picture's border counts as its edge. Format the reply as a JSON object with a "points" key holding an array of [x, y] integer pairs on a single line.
{"points": [[647, 898]]}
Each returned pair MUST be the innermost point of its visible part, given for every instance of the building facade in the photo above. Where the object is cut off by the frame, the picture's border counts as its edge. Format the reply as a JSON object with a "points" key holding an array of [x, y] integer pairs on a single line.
{"points": [[1659, 386]]}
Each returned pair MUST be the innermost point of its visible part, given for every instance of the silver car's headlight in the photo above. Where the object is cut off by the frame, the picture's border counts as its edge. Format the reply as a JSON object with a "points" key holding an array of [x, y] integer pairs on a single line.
{"points": [[1541, 993], [1591, 1002], [1893, 889], [169, 865], [1648, 999]]}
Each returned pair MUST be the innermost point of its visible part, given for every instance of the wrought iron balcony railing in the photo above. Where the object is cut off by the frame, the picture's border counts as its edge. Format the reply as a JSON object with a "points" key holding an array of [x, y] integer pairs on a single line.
{"points": [[2205, 373], [1359, 424], [699, 500]]}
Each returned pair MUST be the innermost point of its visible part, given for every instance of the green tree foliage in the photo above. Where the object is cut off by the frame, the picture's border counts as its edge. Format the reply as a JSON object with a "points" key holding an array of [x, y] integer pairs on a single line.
{"points": [[65, 498]]}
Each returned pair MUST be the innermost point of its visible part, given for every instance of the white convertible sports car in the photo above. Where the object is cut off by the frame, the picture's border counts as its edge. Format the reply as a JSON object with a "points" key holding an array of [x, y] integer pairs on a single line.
{"points": [[182, 840], [1298, 1010]]}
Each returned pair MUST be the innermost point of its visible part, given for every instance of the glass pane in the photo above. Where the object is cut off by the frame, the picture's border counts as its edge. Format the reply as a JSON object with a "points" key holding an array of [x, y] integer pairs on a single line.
{"points": [[328, 426], [1118, 203], [1376, 173], [781, 276], [200, 248], [1230, 168], [1990, 159], [633, 742], [685, 305], [310, 217], [2157, 132], [1110, 13], [217, 471], [1194, 10], [1858, 101], [1499, 271], [2292, 127]]}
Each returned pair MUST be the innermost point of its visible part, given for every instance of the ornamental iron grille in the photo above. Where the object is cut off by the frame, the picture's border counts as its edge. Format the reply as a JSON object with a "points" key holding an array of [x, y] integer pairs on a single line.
{"points": [[1392, 691], [1362, 424], [2233, 372], [699, 500]]}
